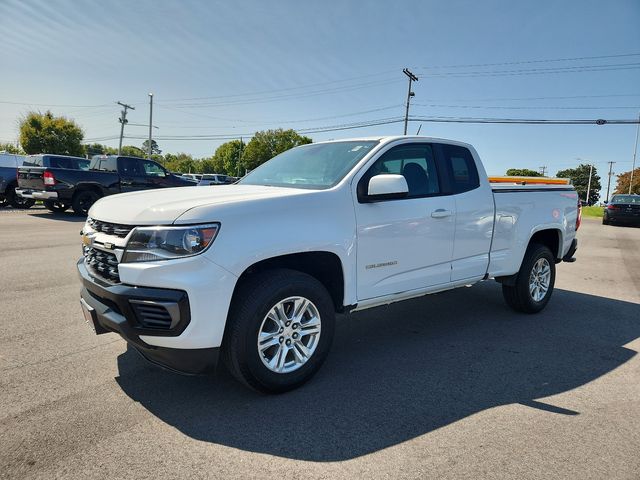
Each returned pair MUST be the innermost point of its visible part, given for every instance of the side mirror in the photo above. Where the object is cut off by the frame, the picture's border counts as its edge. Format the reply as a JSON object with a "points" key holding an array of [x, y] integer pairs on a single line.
{"points": [[387, 187]]}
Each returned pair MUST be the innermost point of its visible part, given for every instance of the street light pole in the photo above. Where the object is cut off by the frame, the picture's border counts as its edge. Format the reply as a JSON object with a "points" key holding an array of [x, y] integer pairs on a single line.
{"points": [[635, 149], [150, 123]]}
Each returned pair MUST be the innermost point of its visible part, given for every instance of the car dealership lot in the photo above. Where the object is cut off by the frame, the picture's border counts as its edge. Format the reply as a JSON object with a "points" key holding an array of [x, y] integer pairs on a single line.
{"points": [[453, 385]]}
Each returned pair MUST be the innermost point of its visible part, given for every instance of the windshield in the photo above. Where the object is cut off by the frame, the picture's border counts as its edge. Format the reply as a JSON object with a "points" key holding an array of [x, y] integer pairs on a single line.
{"points": [[626, 199], [314, 166]]}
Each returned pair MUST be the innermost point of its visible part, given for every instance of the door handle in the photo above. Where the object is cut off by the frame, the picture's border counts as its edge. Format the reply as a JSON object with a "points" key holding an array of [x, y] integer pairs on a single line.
{"points": [[441, 213]]}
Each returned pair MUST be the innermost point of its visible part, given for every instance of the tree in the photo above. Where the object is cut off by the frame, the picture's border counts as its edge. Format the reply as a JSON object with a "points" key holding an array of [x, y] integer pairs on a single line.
{"points": [[580, 179], [44, 133], [11, 148], [132, 151], [99, 149], [182, 163], [267, 144], [227, 157], [625, 178], [523, 172], [154, 147], [212, 165]]}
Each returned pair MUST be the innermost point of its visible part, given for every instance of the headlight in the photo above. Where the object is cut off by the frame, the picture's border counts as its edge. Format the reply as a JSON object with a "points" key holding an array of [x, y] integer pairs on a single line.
{"points": [[148, 244]]}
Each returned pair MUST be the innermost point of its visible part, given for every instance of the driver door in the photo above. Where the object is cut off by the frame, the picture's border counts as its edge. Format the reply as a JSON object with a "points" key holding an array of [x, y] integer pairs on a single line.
{"points": [[404, 244]]}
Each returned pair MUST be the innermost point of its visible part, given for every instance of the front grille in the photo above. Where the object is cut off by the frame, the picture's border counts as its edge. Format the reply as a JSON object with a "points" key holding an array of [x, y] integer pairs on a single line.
{"points": [[152, 314], [102, 264], [110, 228]]}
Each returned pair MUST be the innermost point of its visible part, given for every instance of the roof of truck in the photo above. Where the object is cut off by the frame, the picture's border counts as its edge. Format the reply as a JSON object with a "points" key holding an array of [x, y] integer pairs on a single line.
{"points": [[393, 138]]}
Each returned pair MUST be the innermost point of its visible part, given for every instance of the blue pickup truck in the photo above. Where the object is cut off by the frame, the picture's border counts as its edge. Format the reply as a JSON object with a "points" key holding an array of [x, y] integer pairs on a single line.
{"points": [[9, 164]]}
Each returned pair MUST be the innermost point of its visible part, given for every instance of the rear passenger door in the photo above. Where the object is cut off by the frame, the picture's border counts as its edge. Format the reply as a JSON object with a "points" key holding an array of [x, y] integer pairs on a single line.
{"points": [[132, 175], [474, 211], [404, 244]]}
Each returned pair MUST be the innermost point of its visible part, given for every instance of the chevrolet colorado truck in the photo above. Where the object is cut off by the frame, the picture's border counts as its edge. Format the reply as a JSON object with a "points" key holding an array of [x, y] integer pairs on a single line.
{"points": [[61, 185], [255, 272]]}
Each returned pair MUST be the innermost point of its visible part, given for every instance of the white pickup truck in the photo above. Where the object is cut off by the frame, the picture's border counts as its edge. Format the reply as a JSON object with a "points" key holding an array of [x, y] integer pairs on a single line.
{"points": [[256, 271]]}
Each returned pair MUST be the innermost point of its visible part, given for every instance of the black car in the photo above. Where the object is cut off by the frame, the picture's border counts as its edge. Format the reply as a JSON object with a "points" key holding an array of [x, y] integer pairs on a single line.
{"points": [[622, 209], [105, 175]]}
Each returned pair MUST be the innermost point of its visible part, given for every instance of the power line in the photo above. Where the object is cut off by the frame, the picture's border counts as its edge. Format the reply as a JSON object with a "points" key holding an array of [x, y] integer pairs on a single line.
{"points": [[524, 107], [53, 104], [537, 71], [391, 120], [521, 62]]}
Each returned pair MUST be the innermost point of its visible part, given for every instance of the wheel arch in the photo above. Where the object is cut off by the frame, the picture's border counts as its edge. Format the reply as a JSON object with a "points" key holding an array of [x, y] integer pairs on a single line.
{"points": [[551, 238], [324, 266]]}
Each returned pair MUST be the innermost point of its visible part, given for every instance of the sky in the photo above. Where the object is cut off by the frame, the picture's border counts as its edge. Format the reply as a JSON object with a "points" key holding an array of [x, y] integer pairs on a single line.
{"points": [[227, 69]]}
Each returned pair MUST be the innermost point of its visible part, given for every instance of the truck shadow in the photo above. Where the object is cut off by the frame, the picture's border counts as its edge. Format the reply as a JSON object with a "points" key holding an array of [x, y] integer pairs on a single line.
{"points": [[402, 371]]}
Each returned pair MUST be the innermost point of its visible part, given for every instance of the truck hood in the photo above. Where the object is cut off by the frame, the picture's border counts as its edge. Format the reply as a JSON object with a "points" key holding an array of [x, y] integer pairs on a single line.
{"points": [[164, 206]]}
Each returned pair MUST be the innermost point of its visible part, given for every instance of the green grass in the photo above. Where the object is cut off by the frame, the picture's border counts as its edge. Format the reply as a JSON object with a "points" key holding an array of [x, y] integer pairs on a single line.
{"points": [[592, 211]]}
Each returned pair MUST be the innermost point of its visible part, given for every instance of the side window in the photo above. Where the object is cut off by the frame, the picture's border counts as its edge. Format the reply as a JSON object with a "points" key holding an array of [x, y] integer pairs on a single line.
{"points": [[415, 162], [130, 167], [461, 168], [152, 169]]}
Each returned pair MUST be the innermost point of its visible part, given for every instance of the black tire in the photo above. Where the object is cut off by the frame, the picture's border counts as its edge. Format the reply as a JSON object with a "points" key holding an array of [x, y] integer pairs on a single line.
{"points": [[3, 201], [83, 200], [605, 220], [56, 206], [16, 201], [252, 301], [519, 296]]}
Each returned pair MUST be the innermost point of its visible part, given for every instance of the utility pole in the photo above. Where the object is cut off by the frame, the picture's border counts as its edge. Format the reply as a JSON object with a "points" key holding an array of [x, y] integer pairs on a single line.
{"points": [[239, 157], [412, 78], [589, 184], [635, 149], [543, 169], [609, 183], [123, 120], [150, 122]]}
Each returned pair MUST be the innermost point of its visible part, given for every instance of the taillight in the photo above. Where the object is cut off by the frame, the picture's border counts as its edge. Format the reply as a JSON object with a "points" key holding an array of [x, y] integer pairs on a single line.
{"points": [[611, 206], [579, 219], [48, 178]]}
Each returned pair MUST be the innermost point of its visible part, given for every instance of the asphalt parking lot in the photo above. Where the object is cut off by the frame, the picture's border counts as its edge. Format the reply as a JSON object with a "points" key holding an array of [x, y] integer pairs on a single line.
{"points": [[453, 385]]}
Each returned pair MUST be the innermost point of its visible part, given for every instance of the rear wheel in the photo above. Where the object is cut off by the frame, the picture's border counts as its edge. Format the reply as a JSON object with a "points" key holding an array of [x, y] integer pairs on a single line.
{"points": [[56, 206], [534, 282], [83, 200], [16, 201], [280, 330], [3, 201], [605, 220]]}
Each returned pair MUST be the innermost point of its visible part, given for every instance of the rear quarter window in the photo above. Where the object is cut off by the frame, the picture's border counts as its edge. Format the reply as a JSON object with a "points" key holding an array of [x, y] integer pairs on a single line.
{"points": [[459, 163]]}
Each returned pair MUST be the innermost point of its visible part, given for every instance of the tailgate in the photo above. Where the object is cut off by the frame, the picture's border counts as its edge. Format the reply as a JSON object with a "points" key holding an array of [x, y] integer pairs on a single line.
{"points": [[30, 178]]}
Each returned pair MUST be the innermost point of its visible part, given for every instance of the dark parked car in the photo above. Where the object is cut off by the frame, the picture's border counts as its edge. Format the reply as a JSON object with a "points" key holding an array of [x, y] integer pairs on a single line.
{"points": [[9, 163], [106, 175], [622, 209]]}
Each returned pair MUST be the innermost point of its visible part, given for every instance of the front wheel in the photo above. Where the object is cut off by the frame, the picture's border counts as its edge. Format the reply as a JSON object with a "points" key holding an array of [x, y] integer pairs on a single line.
{"points": [[55, 206], [279, 331], [534, 282], [83, 200]]}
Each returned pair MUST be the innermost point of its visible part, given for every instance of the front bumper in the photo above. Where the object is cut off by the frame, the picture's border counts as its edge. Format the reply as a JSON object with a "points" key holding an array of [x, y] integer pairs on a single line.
{"points": [[37, 194], [112, 308]]}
